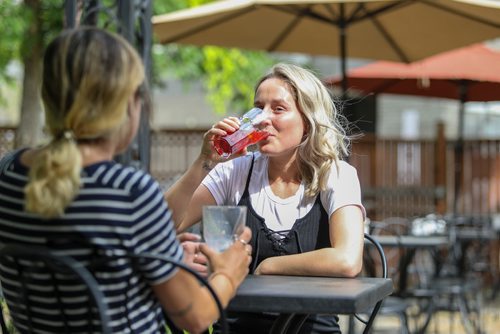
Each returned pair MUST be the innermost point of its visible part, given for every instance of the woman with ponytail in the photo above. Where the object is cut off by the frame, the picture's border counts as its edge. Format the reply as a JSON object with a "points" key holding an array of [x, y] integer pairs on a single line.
{"points": [[71, 196]]}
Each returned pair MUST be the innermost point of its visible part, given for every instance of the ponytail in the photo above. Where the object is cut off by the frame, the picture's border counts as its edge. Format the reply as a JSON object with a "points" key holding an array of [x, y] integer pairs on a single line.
{"points": [[54, 177]]}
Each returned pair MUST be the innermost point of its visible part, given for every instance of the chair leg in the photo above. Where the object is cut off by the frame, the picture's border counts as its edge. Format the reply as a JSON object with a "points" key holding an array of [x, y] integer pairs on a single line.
{"points": [[430, 308], [464, 314], [451, 310], [404, 323]]}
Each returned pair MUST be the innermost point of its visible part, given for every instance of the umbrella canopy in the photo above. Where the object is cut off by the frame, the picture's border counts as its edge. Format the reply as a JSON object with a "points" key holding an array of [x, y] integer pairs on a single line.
{"points": [[473, 71], [398, 30]]}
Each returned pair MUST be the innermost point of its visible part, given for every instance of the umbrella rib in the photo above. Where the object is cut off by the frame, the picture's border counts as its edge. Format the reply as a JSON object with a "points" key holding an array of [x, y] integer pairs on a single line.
{"points": [[307, 12], [378, 11], [387, 37], [208, 25], [461, 13], [274, 45]]}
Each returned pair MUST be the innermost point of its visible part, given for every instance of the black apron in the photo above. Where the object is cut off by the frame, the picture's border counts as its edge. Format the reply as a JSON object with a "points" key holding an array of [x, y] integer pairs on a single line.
{"points": [[308, 233]]}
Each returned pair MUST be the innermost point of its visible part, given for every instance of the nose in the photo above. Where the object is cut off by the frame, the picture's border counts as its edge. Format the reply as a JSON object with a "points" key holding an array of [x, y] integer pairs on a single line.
{"points": [[262, 118]]}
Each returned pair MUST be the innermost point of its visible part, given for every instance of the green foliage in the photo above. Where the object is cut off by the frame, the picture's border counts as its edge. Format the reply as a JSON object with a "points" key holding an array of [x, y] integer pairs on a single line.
{"points": [[12, 26], [17, 39], [228, 75], [232, 77]]}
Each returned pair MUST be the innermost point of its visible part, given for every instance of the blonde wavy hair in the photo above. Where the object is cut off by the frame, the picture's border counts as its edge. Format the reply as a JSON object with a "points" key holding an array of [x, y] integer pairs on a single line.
{"points": [[326, 141], [88, 77]]}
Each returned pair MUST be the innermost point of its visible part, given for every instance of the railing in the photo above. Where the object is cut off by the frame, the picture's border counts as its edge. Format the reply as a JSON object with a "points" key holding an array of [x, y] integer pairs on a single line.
{"points": [[398, 177]]}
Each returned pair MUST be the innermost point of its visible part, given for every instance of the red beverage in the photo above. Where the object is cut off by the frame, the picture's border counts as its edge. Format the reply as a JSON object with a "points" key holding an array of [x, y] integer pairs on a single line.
{"points": [[224, 147], [246, 135]]}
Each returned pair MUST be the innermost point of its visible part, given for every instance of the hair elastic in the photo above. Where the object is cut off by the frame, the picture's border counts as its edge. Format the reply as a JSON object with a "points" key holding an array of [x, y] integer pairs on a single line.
{"points": [[67, 134]]}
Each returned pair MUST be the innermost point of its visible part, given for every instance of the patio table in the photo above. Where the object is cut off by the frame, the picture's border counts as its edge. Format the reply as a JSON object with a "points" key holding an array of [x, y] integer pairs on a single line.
{"points": [[296, 296]]}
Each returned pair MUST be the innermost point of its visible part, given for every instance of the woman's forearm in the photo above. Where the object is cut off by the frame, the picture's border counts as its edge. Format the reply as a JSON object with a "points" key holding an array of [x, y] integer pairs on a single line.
{"points": [[322, 262], [179, 195]]}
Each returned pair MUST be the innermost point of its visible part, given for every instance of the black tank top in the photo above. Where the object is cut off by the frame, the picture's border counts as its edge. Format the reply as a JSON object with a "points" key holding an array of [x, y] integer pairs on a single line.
{"points": [[307, 233]]}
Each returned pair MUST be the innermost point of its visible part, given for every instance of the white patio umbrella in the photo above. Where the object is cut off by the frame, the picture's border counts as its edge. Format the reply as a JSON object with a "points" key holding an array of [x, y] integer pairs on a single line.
{"points": [[398, 30]]}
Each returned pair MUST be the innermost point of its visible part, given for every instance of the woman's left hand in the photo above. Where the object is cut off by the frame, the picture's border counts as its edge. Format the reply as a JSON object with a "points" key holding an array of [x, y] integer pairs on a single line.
{"points": [[192, 256]]}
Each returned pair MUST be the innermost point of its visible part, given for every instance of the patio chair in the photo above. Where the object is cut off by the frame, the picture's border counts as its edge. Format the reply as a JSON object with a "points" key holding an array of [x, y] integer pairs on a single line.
{"points": [[21, 266], [393, 305], [449, 289], [63, 274], [373, 313]]}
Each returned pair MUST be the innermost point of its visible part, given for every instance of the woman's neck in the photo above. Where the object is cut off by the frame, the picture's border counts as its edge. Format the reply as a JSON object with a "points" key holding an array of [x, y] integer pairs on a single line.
{"points": [[284, 169], [94, 152]]}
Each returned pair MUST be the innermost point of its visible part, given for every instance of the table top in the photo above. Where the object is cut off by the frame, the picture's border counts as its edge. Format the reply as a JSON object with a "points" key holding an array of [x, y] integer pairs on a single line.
{"points": [[300, 294], [411, 241], [471, 234]]}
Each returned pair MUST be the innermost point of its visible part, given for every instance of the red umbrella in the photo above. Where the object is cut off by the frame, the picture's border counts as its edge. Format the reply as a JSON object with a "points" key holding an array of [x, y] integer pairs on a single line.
{"points": [[476, 68], [468, 74]]}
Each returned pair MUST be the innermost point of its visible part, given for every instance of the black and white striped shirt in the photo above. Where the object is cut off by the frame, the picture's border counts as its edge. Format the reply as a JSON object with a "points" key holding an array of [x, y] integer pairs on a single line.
{"points": [[118, 209]]}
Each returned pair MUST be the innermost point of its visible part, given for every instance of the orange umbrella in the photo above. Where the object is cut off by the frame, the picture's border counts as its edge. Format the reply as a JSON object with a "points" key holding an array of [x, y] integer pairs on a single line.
{"points": [[473, 69]]}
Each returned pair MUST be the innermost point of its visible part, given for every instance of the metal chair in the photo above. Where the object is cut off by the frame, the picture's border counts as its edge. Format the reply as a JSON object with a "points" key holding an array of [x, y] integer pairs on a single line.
{"points": [[449, 289], [23, 267], [63, 274], [393, 305], [369, 323]]}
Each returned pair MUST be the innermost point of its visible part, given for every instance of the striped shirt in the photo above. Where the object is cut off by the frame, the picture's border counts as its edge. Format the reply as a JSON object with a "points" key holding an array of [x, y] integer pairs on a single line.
{"points": [[118, 209]]}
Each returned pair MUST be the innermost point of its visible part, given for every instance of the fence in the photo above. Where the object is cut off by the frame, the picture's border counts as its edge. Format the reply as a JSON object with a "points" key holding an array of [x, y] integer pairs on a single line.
{"points": [[398, 177]]}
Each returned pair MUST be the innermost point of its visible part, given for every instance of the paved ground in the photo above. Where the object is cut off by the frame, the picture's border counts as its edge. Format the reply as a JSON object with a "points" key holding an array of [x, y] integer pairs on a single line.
{"points": [[440, 323]]}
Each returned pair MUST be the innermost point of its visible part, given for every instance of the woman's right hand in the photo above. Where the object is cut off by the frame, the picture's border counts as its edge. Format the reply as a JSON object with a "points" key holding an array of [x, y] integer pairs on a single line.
{"points": [[226, 126], [234, 261]]}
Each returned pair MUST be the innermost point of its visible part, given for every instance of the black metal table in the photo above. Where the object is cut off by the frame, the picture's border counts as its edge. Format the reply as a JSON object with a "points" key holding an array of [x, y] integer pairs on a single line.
{"points": [[299, 295], [412, 244], [411, 241]]}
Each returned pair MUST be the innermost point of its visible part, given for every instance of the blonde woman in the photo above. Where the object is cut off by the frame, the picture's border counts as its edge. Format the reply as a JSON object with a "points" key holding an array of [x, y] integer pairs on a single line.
{"points": [[304, 202], [71, 196]]}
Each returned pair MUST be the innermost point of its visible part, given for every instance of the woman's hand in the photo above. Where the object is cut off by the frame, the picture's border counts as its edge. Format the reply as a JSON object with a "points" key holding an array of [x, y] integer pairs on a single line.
{"points": [[192, 256], [234, 261], [226, 126]]}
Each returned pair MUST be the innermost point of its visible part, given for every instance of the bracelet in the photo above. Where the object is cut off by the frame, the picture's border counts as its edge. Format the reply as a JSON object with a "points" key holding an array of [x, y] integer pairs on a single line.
{"points": [[228, 278]]}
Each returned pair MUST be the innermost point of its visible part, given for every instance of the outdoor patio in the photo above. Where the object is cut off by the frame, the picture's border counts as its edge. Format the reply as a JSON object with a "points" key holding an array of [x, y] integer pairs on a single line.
{"points": [[432, 202], [440, 323]]}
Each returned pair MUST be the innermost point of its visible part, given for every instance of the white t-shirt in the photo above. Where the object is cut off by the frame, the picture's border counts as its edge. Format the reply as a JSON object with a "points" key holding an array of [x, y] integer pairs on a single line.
{"points": [[226, 182]]}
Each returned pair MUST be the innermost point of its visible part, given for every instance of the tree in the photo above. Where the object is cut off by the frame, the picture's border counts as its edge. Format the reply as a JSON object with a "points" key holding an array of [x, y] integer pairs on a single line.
{"points": [[12, 31], [28, 25], [227, 74], [29, 131]]}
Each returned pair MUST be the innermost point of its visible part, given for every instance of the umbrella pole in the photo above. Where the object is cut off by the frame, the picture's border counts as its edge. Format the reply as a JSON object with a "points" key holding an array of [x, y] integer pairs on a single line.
{"points": [[343, 49], [459, 145]]}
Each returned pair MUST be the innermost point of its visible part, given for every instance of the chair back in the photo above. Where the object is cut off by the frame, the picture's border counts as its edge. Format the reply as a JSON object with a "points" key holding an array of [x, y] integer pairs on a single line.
{"points": [[380, 251], [26, 268], [50, 292], [394, 227], [368, 323]]}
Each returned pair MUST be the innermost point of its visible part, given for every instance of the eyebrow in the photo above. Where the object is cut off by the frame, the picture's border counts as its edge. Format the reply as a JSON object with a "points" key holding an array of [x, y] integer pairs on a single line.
{"points": [[274, 101]]}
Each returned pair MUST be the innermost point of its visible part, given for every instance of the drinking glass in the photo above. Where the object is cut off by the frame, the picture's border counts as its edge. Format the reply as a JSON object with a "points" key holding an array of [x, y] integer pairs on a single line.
{"points": [[223, 224]]}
